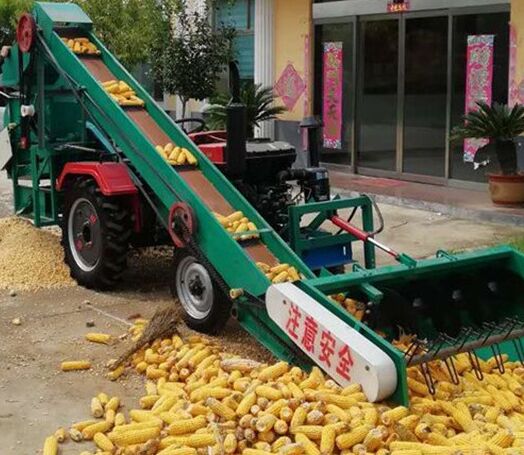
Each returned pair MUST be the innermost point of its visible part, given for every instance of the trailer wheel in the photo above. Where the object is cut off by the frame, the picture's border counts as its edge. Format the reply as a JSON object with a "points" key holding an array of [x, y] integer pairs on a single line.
{"points": [[206, 308], [95, 235]]}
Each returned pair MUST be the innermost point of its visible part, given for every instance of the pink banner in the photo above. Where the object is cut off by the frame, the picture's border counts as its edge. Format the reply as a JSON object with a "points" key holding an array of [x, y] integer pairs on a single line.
{"points": [[513, 95], [479, 83], [332, 95], [307, 64]]}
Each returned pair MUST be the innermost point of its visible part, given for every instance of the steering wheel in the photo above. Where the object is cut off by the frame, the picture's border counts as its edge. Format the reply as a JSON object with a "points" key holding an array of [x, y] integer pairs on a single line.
{"points": [[201, 124]]}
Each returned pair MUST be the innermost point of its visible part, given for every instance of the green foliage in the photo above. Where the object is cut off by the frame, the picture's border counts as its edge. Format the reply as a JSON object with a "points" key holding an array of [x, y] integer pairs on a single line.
{"points": [[189, 58], [498, 123], [127, 27], [10, 11], [259, 103]]}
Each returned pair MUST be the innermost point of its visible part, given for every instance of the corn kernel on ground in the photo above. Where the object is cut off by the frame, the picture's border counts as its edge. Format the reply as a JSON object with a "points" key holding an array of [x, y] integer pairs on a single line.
{"points": [[199, 400]]}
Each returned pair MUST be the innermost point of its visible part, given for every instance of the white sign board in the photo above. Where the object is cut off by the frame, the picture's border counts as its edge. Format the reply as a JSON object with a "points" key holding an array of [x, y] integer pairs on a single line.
{"points": [[342, 352], [5, 148]]}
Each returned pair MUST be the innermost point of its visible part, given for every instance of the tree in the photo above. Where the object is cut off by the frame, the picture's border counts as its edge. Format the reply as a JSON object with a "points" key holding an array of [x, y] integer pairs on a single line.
{"points": [[10, 11], [190, 60]]}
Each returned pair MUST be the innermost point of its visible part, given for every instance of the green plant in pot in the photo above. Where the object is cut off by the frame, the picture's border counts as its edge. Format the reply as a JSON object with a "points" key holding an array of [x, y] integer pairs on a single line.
{"points": [[259, 107], [499, 124]]}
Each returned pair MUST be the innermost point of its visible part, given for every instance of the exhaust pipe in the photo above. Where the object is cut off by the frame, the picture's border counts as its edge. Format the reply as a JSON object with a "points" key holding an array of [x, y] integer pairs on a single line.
{"points": [[236, 126]]}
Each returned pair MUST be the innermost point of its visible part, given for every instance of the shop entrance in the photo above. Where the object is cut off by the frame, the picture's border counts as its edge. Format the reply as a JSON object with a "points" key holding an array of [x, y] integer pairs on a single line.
{"points": [[403, 87]]}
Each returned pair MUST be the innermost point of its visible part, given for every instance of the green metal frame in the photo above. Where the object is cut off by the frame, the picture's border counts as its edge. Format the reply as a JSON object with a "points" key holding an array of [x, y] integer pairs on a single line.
{"points": [[300, 239]]}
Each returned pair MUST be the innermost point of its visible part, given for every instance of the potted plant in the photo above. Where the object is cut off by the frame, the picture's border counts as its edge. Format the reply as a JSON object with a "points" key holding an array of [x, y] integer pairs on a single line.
{"points": [[500, 125], [259, 107]]}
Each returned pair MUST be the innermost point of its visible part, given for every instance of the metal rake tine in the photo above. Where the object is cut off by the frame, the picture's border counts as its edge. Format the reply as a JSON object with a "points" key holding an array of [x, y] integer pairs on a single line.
{"points": [[428, 378], [497, 354], [475, 364], [452, 370], [411, 351]]}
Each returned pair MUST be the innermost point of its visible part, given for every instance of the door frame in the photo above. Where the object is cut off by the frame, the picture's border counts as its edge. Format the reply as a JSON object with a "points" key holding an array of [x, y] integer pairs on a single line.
{"points": [[356, 84]]}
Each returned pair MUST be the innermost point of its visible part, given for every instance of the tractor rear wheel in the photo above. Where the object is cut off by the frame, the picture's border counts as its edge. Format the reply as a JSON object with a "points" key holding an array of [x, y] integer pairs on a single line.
{"points": [[206, 308], [95, 235]]}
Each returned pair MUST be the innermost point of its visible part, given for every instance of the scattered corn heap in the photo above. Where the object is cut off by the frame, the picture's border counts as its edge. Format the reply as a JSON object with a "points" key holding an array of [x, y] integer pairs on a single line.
{"points": [[201, 401], [30, 258], [280, 273], [236, 223], [122, 93], [176, 156], [81, 46]]}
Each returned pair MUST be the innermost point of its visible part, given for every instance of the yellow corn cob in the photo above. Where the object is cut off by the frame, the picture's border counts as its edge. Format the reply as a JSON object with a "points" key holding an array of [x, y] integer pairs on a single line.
{"points": [[127, 438], [267, 436], [462, 418], [280, 278], [110, 416], [281, 427], [99, 427], [103, 397], [200, 440], [342, 401], [50, 446], [268, 392], [178, 451], [140, 415], [164, 403], [191, 158], [310, 448], [291, 449], [394, 415], [274, 371], [138, 426], [265, 423], [148, 401], [103, 442], [281, 442], [254, 452], [504, 438], [60, 434], [299, 417], [311, 431], [113, 403], [103, 338], [220, 409], [355, 436], [116, 373], [75, 435], [97, 410], [82, 424], [187, 426], [327, 440], [75, 365], [245, 405], [230, 443]]}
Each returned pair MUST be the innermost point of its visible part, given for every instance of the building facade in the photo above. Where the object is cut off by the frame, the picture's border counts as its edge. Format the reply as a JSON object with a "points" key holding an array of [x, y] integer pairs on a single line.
{"points": [[389, 79]]}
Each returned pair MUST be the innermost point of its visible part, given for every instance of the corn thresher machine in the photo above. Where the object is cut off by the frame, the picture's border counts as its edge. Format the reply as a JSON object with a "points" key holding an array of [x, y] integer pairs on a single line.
{"points": [[86, 158]]}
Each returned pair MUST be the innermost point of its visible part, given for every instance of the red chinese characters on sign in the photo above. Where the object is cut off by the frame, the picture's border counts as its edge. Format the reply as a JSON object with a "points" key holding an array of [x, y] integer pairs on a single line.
{"points": [[327, 347], [293, 321], [345, 362], [398, 6], [319, 343], [310, 334]]}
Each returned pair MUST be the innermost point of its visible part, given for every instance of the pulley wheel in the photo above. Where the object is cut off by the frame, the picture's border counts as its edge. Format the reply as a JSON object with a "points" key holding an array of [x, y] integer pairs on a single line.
{"points": [[181, 213], [26, 32]]}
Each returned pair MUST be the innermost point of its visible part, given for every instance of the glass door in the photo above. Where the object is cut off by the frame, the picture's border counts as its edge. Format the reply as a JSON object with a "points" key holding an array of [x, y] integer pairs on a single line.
{"points": [[425, 96], [378, 94]]}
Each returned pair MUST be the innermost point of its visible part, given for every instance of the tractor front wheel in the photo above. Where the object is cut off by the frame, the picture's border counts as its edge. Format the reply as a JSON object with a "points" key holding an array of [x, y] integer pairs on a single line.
{"points": [[95, 235], [206, 308]]}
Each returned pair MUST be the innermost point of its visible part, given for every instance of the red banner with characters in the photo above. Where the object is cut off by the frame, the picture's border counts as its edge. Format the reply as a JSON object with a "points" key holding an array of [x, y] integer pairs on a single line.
{"points": [[332, 95], [479, 82]]}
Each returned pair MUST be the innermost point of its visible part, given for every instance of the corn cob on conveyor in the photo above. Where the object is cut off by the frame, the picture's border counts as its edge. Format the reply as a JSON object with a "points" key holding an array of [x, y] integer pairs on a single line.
{"points": [[346, 324]]}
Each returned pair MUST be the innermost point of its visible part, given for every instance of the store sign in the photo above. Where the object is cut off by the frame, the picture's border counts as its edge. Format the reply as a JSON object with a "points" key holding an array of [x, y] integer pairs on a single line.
{"points": [[342, 352], [398, 6], [332, 95], [479, 83]]}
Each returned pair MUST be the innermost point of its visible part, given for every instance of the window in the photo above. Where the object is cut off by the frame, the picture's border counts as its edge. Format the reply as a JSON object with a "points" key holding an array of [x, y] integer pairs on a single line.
{"points": [[240, 15]]}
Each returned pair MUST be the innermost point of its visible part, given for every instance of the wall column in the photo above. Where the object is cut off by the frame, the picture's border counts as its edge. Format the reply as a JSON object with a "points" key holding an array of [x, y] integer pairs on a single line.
{"points": [[264, 54]]}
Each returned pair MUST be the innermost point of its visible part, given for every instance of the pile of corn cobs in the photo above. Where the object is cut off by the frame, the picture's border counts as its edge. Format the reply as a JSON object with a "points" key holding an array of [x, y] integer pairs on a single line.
{"points": [[200, 401]]}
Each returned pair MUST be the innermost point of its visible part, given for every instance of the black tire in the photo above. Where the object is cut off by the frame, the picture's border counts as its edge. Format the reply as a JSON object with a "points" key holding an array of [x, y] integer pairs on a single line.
{"points": [[206, 308], [95, 235]]}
